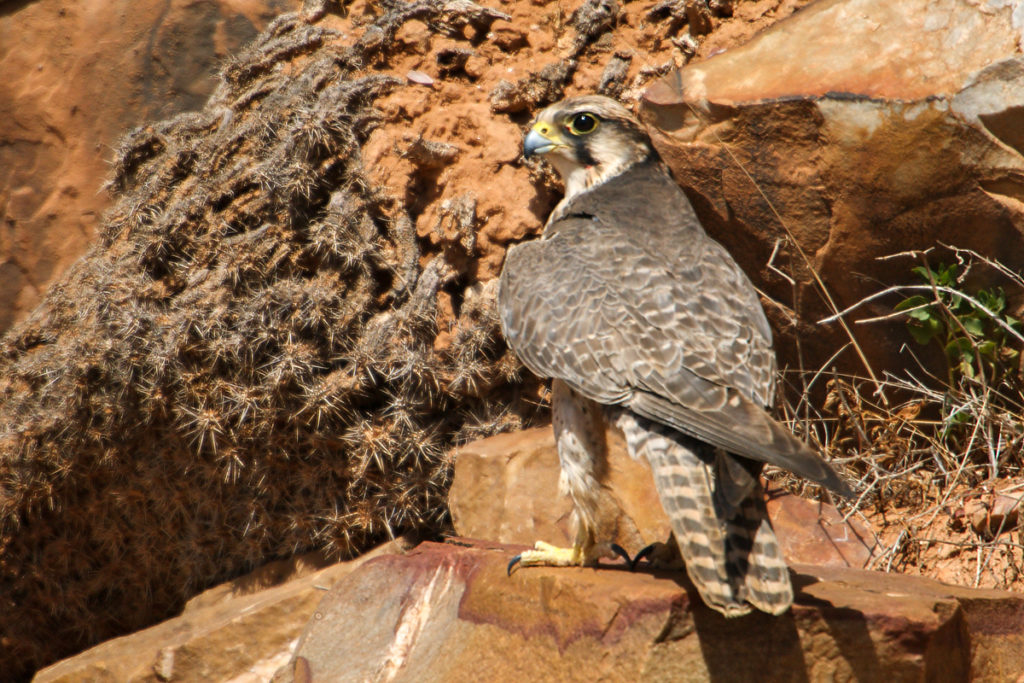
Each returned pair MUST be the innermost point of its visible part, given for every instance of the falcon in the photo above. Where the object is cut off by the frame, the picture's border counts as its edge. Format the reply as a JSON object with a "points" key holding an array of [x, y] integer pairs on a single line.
{"points": [[644, 322]]}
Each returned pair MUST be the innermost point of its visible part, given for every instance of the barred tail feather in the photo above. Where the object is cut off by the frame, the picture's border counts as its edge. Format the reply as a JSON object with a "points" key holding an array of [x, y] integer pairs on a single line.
{"points": [[686, 494], [734, 563], [755, 558]]}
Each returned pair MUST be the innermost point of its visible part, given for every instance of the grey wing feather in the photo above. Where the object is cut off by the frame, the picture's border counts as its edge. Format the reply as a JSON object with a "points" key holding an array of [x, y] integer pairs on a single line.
{"points": [[686, 345], [743, 428], [611, 315], [555, 316]]}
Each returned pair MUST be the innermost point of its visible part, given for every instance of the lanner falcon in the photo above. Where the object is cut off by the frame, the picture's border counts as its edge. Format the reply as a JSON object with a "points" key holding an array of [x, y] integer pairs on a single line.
{"points": [[644, 321]]}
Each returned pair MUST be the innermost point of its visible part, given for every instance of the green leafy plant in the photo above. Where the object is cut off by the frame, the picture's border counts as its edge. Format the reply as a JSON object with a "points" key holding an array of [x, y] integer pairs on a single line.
{"points": [[974, 329]]}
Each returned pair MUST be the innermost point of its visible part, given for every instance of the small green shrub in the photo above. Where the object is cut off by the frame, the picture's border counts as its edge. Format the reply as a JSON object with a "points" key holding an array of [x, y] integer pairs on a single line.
{"points": [[974, 330]]}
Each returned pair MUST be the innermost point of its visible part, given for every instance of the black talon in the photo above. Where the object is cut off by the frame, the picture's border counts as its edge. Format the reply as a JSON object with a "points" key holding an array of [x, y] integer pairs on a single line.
{"points": [[646, 552], [618, 550], [511, 565]]}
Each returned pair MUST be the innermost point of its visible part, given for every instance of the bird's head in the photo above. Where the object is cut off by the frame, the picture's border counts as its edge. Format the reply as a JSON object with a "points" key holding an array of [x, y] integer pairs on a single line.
{"points": [[588, 140]]}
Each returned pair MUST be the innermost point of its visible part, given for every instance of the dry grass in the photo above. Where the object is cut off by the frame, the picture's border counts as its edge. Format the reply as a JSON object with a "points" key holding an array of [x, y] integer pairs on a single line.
{"points": [[930, 450]]}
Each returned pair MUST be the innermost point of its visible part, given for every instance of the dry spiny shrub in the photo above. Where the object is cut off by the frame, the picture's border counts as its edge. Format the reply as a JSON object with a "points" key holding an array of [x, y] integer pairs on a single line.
{"points": [[244, 365]]}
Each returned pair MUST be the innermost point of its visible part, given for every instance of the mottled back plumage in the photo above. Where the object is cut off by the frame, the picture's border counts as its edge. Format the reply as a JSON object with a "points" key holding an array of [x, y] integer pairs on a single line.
{"points": [[628, 302]]}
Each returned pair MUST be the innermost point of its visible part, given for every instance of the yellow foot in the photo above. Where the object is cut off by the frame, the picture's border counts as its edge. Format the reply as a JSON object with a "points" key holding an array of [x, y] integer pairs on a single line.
{"points": [[547, 555]]}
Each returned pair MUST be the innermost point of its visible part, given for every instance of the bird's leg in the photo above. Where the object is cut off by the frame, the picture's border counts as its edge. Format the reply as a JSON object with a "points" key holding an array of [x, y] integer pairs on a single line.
{"points": [[585, 552], [547, 555], [582, 452]]}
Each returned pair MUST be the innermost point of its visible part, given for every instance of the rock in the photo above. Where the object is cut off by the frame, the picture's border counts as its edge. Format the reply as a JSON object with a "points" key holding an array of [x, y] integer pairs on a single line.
{"points": [[242, 630], [815, 533], [505, 488], [76, 77], [992, 513], [873, 128], [519, 473], [449, 612]]}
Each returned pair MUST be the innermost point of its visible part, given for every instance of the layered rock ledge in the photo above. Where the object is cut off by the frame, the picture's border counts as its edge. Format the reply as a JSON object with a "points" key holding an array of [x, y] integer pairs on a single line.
{"points": [[449, 612]]}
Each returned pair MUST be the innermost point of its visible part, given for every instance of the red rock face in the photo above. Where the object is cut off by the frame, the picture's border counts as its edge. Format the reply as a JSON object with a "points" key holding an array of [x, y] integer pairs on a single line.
{"points": [[872, 129], [449, 612], [77, 76]]}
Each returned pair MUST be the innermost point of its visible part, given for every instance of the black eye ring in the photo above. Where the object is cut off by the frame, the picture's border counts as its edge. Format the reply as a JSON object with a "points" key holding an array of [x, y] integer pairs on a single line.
{"points": [[582, 124]]}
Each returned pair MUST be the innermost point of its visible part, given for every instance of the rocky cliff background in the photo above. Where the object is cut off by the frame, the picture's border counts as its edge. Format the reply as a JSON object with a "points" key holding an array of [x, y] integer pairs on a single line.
{"points": [[283, 321]]}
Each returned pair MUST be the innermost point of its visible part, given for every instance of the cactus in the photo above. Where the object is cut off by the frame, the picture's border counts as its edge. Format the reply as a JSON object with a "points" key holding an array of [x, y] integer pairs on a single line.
{"points": [[244, 366]]}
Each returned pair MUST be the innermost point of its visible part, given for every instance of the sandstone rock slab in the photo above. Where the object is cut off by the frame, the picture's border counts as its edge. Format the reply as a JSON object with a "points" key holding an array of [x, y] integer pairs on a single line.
{"points": [[449, 612], [816, 533], [242, 630], [505, 488], [855, 130]]}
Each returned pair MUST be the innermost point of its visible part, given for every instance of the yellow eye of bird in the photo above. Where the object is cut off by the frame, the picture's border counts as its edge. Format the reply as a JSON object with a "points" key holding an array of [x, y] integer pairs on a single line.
{"points": [[581, 124]]}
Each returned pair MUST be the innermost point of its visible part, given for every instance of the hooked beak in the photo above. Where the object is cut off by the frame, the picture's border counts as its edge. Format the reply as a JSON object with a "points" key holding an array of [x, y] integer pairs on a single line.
{"points": [[537, 141]]}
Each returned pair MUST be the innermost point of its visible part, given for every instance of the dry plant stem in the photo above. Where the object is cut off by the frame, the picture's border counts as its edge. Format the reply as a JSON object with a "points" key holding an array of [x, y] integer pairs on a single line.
{"points": [[977, 570], [967, 544], [913, 253], [995, 265], [892, 551], [805, 396], [774, 269], [921, 288], [865, 439]]}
